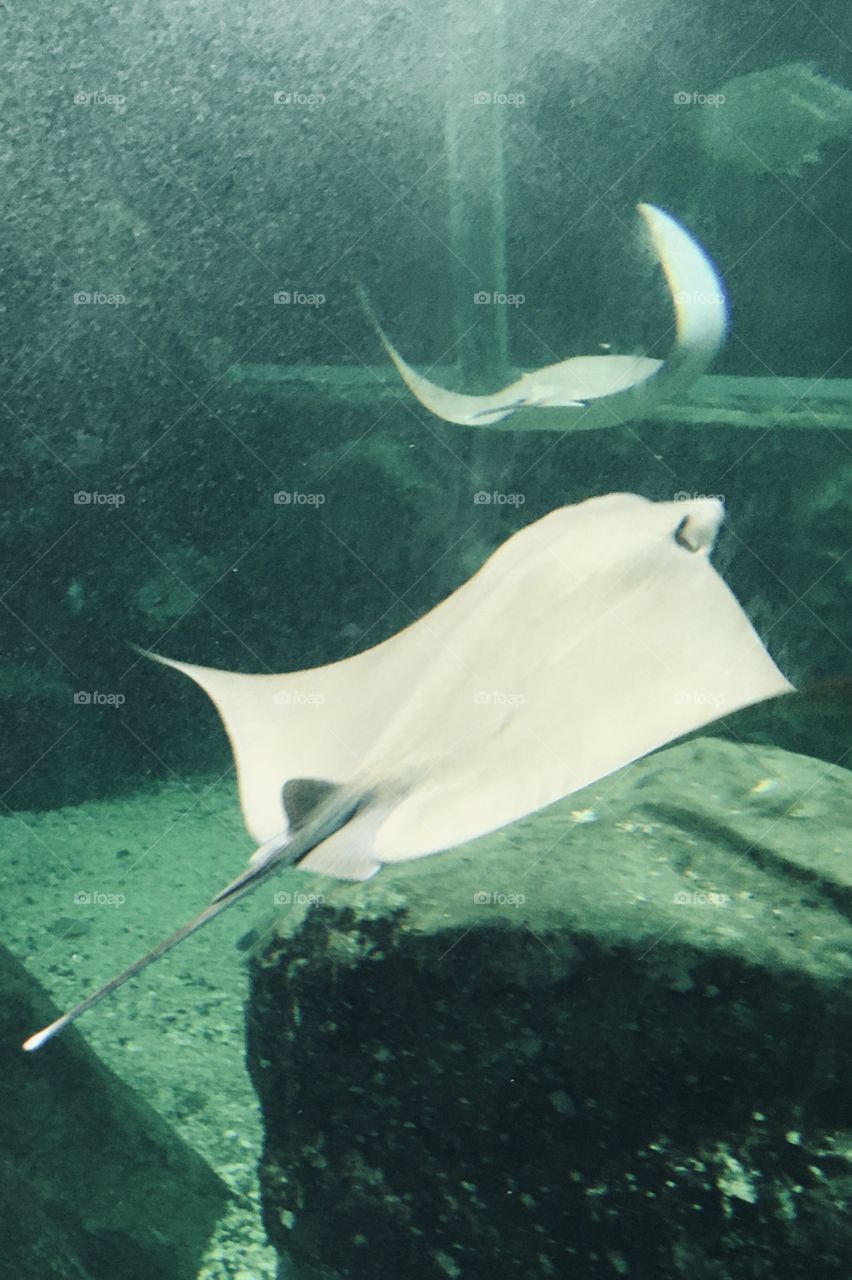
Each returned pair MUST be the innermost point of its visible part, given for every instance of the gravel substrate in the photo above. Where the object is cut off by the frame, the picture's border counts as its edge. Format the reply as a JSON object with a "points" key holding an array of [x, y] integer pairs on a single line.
{"points": [[176, 1033]]}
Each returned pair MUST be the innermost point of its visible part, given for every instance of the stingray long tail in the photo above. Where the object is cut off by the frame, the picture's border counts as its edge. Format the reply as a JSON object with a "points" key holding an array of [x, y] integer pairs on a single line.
{"points": [[281, 851], [219, 905]]}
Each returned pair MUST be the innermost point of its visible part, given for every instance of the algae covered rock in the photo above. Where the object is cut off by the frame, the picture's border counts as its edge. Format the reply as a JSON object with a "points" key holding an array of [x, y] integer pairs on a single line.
{"points": [[611, 1039]]}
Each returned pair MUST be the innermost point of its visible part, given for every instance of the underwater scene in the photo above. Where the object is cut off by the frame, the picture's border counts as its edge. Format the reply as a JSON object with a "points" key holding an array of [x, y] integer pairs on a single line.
{"points": [[426, 627]]}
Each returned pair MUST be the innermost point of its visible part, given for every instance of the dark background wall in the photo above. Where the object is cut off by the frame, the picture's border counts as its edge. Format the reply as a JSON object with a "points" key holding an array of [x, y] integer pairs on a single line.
{"points": [[198, 197]]}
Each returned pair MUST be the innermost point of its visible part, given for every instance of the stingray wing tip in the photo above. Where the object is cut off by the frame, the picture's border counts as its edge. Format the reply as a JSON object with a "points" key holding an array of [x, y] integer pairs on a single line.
{"points": [[151, 655]]}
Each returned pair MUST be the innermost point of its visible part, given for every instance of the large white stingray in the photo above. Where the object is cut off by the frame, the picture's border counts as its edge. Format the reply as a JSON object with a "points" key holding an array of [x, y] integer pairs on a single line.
{"points": [[588, 639], [601, 391]]}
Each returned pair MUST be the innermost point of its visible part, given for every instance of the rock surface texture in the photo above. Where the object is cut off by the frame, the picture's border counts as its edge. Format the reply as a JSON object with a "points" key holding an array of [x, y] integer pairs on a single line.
{"points": [[612, 1039]]}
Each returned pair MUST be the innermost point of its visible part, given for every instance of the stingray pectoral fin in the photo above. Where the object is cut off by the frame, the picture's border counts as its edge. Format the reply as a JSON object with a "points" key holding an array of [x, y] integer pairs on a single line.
{"points": [[698, 295], [452, 406], [619, 389], [622, 388], [312, 724]]}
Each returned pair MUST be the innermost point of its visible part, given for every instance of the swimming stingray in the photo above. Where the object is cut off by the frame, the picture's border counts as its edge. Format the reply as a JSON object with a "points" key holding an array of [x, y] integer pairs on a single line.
{"points": [[590, 638], [601, 391]]}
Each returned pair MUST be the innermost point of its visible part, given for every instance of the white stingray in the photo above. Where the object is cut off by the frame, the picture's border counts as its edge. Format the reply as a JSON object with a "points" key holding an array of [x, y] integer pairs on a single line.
{"points": [[591, 637], [601, 391]]}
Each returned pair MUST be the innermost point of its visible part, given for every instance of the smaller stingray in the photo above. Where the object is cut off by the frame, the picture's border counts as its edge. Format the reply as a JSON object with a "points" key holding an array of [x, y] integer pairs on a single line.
{"points": [[601, 391], [590, 638]]}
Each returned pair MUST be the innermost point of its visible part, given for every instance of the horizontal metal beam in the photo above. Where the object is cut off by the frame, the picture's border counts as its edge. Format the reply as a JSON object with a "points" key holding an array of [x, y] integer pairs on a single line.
{"points": [[757, 403]]}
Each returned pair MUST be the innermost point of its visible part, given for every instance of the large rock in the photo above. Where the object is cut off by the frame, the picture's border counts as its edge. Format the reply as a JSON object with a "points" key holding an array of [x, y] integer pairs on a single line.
{"points": [[94, 1184], [610, 1040]]}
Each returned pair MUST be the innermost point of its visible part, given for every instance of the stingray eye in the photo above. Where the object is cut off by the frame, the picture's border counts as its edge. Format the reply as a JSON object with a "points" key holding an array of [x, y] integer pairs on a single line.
{"points": [[682, 538]]}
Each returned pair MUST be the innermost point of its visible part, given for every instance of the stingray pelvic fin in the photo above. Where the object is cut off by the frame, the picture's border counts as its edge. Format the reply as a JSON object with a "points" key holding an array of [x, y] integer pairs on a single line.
{"points": [[303, 797]]}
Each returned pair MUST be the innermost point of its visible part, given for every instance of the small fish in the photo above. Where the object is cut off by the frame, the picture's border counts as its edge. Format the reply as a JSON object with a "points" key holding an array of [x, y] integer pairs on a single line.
{"points": [[590, 638], [600, 391], [777, 121]]}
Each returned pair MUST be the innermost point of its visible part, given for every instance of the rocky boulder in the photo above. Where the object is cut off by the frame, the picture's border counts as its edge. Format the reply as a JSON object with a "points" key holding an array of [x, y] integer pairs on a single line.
{"points": [[94, 1184], [612, 1039]]}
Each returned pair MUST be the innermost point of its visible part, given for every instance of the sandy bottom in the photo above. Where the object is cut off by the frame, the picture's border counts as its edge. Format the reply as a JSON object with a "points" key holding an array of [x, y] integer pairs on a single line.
{"points": [[175, 1033]]}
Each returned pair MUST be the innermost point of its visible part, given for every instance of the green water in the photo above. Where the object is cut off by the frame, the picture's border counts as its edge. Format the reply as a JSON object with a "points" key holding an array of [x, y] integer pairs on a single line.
{"points": [[172, 172]]}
